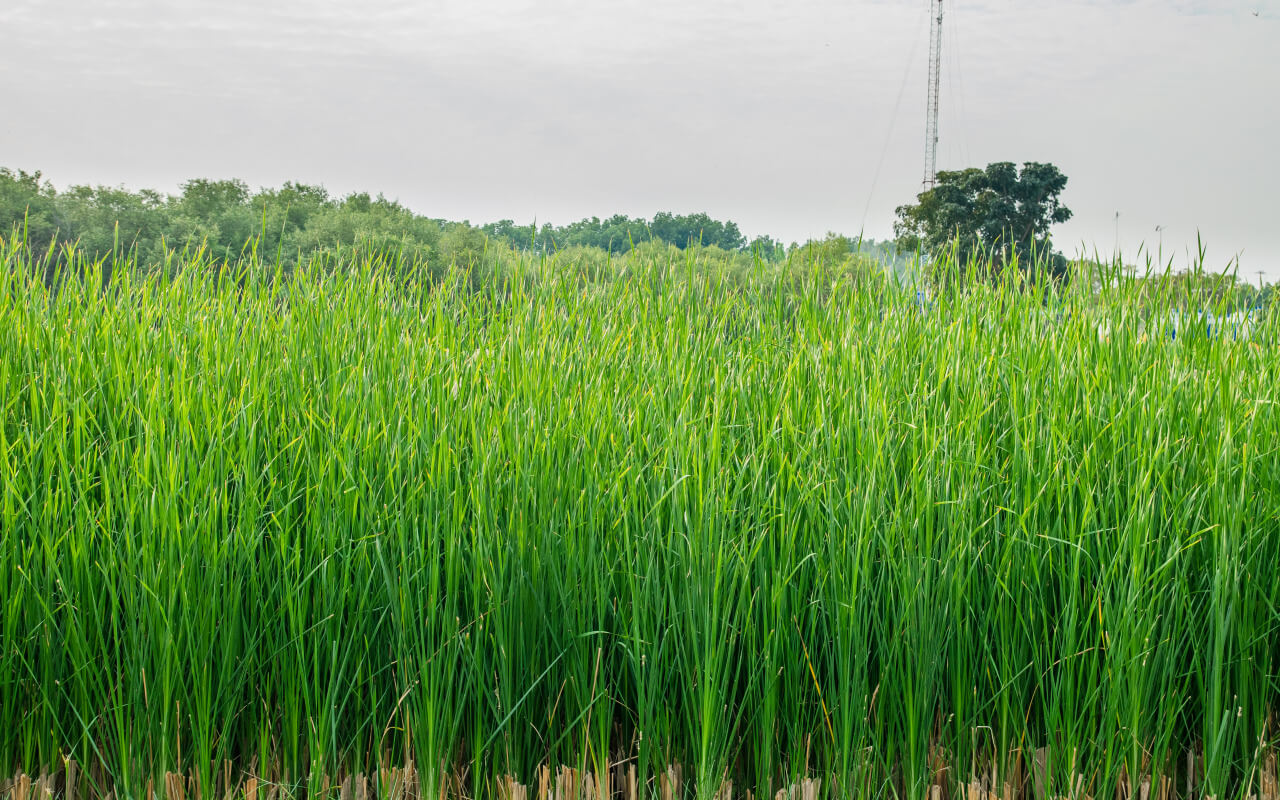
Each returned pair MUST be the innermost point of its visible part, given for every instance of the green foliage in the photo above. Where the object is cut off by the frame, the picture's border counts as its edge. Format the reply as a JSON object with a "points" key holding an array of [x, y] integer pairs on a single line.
{"points": [[768, 520], [286, 212], [216, 212], [463, 245], [372, 224], [111, 219], [616, 234], [993, 217], [619, 233], [298, 222], [29, 206], [766, 247], [690, 229]]}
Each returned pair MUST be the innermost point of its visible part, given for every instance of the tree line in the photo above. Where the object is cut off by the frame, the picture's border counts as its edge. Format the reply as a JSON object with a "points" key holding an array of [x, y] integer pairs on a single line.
{"points": [[297, 220], [973, 219]]}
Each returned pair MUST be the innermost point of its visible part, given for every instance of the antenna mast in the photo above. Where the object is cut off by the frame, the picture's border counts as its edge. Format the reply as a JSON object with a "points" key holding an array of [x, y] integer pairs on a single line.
{"points": [[935, 79]]}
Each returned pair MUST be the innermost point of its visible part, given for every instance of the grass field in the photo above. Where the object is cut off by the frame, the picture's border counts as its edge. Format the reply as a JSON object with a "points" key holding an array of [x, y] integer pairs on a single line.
{"points": [[634, 529]]}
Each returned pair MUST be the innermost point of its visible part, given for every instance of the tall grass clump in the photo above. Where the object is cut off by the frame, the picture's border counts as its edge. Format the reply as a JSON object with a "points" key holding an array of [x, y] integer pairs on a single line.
{"points": [[644, 530]]}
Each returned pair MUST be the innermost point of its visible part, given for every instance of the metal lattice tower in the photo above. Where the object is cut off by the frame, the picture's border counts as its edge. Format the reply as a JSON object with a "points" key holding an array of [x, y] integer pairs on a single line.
{"points": [[935, 80]]}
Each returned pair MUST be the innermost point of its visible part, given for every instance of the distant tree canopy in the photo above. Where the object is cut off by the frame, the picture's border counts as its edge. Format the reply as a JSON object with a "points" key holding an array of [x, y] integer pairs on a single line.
{"points": [[297, 220], [620, 233], [991, 213], [997, 211]]}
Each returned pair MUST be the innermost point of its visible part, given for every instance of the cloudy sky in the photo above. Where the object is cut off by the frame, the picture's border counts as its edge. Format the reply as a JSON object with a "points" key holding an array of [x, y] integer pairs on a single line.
{"points": [[790, 118]]}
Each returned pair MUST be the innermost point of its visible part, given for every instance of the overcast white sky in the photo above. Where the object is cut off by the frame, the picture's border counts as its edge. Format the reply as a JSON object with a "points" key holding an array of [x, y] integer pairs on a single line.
{"points": [[790, 118]]}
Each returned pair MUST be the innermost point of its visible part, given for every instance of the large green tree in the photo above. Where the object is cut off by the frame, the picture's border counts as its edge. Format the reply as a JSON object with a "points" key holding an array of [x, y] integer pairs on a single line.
{"points": [[993, 213]]}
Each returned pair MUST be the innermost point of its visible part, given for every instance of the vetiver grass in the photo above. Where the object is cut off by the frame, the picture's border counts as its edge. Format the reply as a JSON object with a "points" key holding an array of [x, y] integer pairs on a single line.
{"points": [[635, 528]]}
